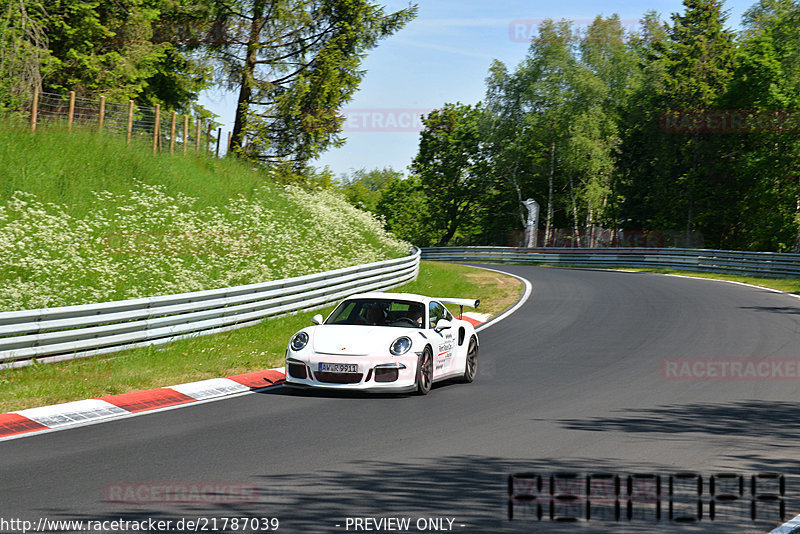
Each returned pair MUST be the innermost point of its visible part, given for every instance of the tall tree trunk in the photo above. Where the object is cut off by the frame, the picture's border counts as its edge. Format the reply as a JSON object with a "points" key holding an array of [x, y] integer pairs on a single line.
{"points": [[575, 232], [691, 189], [248, 77], [548, 232]]}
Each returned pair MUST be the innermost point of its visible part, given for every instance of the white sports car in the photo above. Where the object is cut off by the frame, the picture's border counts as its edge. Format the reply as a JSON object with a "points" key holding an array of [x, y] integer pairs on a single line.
{"points": [[384, 342]]}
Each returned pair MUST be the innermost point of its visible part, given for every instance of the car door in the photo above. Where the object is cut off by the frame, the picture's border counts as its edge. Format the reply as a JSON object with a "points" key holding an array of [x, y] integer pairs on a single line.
{"points": [[442, 341]]}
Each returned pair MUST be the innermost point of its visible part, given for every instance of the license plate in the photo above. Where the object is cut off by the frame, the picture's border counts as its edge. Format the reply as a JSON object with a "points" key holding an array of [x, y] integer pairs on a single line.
{"points": [[338, 367]]}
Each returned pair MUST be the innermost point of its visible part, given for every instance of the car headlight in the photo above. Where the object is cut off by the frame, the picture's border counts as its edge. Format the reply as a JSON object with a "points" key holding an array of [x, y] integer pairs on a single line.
{"points": [[400, 346], [299, 341]]}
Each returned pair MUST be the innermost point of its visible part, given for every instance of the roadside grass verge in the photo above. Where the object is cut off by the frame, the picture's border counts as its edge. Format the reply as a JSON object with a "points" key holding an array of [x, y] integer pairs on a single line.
{"points": [[248, 349]]}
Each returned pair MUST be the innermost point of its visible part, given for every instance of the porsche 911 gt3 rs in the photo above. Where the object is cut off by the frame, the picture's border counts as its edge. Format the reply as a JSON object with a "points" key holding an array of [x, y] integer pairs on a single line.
{"points": [[384, 342]]}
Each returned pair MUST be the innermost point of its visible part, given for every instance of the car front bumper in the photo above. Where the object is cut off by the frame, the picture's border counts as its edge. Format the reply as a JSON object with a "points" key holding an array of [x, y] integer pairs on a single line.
{"points": [[395, 374]]}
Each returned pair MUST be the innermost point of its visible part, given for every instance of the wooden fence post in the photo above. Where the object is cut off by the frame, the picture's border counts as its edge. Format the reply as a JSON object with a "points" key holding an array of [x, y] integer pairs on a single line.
{"points": [[130, 120], [172, 133], [71, 115], [34, 109], [185, 133], [102, 113], [197, 138], [228, 148], [156, 125], [219, 134]]}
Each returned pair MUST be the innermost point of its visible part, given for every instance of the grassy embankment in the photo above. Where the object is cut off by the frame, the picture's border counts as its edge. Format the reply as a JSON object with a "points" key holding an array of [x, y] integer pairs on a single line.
{"points": [[85, 218]]}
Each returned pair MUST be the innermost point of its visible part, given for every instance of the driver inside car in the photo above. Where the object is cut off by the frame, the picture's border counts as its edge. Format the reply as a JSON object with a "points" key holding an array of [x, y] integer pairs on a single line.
{"points": [[416, 314], [374, 315]]}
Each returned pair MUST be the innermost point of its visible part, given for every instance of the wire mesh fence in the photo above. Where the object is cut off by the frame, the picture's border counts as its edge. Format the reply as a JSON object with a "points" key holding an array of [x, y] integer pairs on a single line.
{"points": [[167, 130]]}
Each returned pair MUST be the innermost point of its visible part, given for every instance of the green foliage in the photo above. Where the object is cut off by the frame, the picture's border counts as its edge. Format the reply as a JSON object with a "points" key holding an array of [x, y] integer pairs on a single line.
{"points": [[24, 56], [295, 63], [685, 181], [405, 211], [453, 167], [554, 124], [310, 179], [364, 189], [580, 127], [129, 49]]}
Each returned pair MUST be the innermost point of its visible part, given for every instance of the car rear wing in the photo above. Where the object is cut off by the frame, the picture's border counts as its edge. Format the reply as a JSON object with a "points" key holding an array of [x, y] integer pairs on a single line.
{"points": [[472, 303]]}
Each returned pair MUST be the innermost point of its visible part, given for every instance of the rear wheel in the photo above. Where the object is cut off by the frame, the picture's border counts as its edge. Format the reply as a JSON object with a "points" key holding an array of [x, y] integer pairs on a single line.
{"points": [[471, 365], [425, 372]]}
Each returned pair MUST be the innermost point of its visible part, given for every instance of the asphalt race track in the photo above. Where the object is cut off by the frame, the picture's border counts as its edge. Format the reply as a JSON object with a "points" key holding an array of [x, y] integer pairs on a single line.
{"points": [[573, 382]]}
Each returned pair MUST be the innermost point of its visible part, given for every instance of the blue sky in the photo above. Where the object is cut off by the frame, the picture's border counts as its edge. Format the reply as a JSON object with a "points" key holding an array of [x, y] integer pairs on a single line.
{"points": [[443, 56]]}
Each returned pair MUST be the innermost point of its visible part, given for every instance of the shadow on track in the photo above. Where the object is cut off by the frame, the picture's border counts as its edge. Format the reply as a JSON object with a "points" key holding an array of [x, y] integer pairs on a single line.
{"points": [[753, 418]]}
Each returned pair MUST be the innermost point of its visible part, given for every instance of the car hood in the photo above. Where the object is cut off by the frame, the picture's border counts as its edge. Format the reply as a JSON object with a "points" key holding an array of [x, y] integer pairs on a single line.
{"points": [[356, 340]]}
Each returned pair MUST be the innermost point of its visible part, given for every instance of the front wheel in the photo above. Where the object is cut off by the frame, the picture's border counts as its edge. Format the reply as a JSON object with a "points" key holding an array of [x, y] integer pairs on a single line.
{"points": [[425, 372], [471, 365]]}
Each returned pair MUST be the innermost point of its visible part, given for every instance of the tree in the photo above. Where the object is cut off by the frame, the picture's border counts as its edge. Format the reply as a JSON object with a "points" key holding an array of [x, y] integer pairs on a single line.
{"points": [[547, 76], [114, 48], [554, 121], [452, 166], [764, 165], [364, 189], [129, 49], [699, 64], [294, 64], [603, 80], [672, 180], [24, 55], [404, 209], [517, 154]]}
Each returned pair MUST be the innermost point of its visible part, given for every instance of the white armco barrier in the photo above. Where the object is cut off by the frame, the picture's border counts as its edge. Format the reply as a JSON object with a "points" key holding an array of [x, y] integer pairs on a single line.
{"points": [[54, 334], [772, 264]]}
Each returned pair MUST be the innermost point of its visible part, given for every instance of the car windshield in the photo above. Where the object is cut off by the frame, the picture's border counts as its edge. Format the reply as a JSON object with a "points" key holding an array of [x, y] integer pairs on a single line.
{"points": [[379, 312]]}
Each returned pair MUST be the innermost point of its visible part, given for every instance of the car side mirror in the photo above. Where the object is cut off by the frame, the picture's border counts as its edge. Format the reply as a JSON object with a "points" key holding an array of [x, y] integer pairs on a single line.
{"points": [[443, 324], [317, 319]]}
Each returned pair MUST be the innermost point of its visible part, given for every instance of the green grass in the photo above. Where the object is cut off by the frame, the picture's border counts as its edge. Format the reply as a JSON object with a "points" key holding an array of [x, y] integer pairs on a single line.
{"points": [[65, 168], [86, 218], [253, 348]]}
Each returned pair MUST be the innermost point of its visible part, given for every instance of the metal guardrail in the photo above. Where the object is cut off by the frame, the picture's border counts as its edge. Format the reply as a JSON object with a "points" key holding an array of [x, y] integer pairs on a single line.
{"points": [[770, 264], [55, 334]]}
